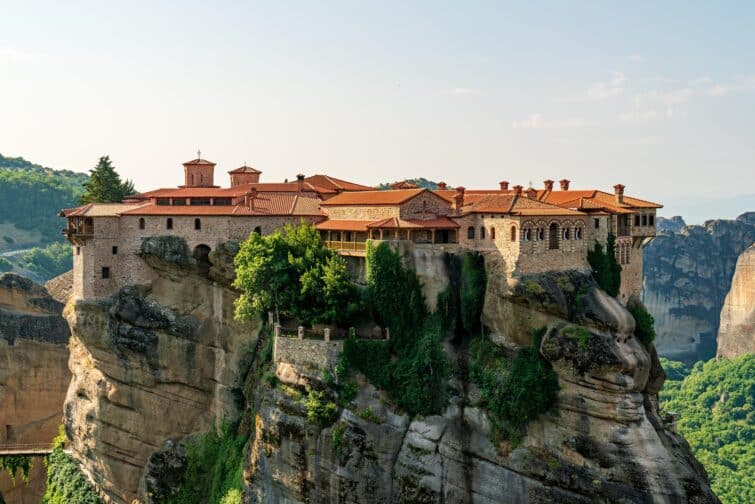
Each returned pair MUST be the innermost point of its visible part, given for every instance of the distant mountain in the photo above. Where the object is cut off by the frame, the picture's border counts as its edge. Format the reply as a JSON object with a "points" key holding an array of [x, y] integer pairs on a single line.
{"points": [[419, 182], [30, 197], [671, 225]]}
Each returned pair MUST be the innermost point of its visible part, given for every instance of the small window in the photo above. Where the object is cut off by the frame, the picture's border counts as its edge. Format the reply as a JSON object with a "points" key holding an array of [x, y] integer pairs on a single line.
{"points": [[577, 233], [78, 250], [565, 233], [526, 234], [163, 201], [199, 201], [645, 219], [651, 220], [258, 230], [637, 220], [513, 233], [540, 234], [179, 201], [492, 233], [482, 233], [115, 250], [597, 223], [142, 224], [197, 224], [105, 272], [470, 233], [169, 223]]}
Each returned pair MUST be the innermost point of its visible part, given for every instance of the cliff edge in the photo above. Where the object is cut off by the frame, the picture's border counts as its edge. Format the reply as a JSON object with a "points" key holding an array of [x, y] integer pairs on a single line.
{"points": [[736, 335]]}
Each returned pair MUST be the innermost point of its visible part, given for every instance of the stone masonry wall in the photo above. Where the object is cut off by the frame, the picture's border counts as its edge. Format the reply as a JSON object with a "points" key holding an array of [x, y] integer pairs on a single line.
{"points": [[306, 358], [366, 213], [425, 206]]}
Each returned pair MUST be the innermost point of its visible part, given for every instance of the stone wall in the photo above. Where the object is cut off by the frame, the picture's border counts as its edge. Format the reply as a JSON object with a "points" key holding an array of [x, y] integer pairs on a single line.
{"points": [[300, 360], [365, 213], [425, 206]]}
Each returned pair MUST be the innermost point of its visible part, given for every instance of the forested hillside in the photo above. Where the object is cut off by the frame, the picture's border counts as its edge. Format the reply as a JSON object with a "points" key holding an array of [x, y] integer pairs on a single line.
{"points": [[715, 401], [30, 198]]}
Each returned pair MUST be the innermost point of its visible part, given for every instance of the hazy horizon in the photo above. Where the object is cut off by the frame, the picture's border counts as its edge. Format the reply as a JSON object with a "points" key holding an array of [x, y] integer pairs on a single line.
{"points": [[657, 97]]}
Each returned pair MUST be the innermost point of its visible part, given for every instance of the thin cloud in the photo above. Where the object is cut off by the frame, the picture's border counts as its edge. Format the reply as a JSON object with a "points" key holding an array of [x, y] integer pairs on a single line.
{"points": [[599, 91], [739, 85], [13, 55], [667, 98], [536, 121], [639, 115], [636, 57], [463, 91]]}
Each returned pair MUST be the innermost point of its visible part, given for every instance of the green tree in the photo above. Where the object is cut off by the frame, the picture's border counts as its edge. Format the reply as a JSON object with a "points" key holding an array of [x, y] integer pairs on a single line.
{"points": [[293, 273], [105, 185], [605, 268]]}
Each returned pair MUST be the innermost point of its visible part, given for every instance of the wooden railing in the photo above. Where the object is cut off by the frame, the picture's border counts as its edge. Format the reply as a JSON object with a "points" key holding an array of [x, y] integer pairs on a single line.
{"points": [[29, 449], [346, 245]]}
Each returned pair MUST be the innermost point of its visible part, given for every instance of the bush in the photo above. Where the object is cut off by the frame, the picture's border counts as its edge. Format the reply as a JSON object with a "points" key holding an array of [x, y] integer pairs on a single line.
{"points": [[214, 471], [16, 466], [644, 323], [605, 269], [50, 261], [65, 482], [320, 411], [5, 265], [516, 390]]}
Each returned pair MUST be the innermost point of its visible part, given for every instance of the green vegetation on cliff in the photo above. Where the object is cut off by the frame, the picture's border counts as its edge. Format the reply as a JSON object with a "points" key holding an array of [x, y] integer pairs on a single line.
{"points": [[50, 261], [716, 407], [293, 273], [17, 466], [605, 269], [65, 482], [214, 471], [644, 322], [515, 390]]}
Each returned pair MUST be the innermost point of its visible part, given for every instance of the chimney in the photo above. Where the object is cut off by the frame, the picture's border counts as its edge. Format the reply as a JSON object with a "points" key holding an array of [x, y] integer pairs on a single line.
{"points": [[250, 197], [442, 186], [300, 182], [564, 184], [548, 185], [518, 190], [618, 190], [459, 199], [531, 192], [504, 185]]}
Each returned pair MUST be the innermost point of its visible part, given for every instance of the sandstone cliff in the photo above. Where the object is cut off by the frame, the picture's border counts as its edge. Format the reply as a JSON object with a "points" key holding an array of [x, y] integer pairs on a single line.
{"points": [[153, 364], [604, 441], [687, 275], [736, 336], [34, 374]]}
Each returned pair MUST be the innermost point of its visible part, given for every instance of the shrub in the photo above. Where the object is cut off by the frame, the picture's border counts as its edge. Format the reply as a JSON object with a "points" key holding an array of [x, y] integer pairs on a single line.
{"points": [[214, 469], [644, 323], [472, 292], [515, 390], [16, 466], [5, 265], [605, 269], [8, 240], [65, 483], [320, 411]]}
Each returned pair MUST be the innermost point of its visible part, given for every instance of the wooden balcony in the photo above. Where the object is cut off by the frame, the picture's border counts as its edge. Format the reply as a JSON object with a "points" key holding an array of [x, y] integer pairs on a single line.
{"points": [[346, 246]]}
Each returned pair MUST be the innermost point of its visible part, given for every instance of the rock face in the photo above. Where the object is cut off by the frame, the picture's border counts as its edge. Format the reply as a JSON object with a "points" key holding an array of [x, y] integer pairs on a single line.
{"points": [[34, 374], [152, 365], [736, 336], [686, 278], [603, 442]]}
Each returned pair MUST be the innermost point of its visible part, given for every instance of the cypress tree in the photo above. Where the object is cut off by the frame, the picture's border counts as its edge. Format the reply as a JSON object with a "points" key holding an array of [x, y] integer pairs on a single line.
{"points": [[105, 185]]}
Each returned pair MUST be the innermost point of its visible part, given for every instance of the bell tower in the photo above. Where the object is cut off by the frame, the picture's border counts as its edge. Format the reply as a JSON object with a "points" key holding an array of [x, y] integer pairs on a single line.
{"points": [[199, 172]]}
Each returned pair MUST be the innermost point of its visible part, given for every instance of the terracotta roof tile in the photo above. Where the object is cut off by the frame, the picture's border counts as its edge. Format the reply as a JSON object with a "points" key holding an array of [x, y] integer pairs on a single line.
{"points": [[245, 169], [199, 161], [328, 182], [264, 204], [396, 223], [342, 225], [373, 198]]}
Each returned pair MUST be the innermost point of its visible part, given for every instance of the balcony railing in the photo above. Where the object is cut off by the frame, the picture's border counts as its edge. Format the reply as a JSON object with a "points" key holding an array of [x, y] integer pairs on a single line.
{"points": [[346, 245]]}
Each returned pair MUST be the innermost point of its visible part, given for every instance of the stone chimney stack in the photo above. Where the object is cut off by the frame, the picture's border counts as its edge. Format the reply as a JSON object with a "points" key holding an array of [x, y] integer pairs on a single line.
{"points": [[548, 185], [518, 190], [531, 192], [564, 184], [618, 190], [442, 186], [300, 182], [459, 199], [504, 185]]}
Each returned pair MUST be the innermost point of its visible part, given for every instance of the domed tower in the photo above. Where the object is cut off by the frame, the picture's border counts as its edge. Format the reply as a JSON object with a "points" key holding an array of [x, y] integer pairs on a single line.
{"points": [[244, 175], [199, 173]]}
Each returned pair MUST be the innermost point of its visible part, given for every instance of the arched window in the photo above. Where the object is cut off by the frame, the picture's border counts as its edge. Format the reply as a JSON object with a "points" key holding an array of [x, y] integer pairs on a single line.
{"points": [[482, 233], [565, 233], [513, 233], [258, 230], [577, 233], [470, 233], [169, 223], [540, 234], [526, 234], [197, 224], [142, 224], [492, 233], [553, 236]]}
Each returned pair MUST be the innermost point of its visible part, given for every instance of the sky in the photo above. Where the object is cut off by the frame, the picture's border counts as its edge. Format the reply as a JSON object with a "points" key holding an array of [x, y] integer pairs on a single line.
{"points": [[658, 96]]}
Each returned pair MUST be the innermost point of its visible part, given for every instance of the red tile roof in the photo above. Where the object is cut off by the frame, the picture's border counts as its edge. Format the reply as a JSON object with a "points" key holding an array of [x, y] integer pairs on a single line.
{"points": [[199, 161], [328, 182], [342, 225], [397, 223], [245, 169], [373, 198], [514, 205], [264, 204]]}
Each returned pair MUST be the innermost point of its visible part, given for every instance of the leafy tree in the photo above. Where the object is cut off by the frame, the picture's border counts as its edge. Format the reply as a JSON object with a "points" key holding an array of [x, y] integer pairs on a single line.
{"points": [[605, 268], [715, 404], [644, 322], [105, 185], [50, 261], [65, 482], [292, 272]]}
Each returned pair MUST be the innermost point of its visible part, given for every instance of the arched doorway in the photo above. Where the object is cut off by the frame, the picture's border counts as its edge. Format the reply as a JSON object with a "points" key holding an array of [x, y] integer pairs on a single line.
{"points": [[553, 236]]}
